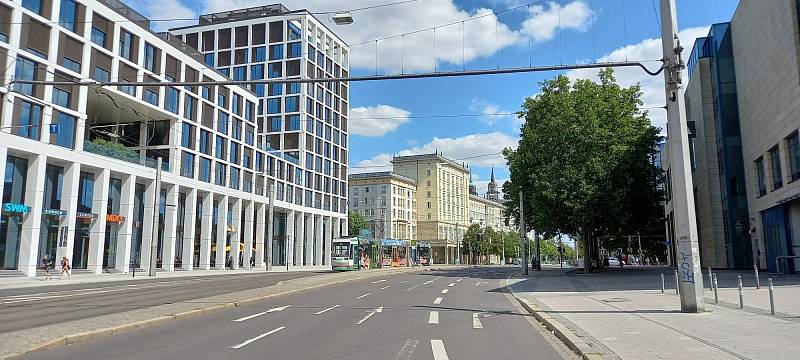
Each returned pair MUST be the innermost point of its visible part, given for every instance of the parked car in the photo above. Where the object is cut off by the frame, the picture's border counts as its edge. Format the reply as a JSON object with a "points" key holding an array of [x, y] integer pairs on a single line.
{"points": [[612, 261], [517, 261]]}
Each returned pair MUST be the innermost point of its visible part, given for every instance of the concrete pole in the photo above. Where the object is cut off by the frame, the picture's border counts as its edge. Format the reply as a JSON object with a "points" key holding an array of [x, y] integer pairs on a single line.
{"points": [[522, 234], [688, 259], [154, 230], [270, 220]]}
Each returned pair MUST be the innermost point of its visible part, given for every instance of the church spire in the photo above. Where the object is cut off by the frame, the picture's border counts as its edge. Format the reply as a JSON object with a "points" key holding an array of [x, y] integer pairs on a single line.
{"points": [[492, 174]]}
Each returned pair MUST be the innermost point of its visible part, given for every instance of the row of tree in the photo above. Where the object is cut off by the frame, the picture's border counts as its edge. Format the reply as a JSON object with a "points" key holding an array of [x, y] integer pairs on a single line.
{"points": [[584, 163]]}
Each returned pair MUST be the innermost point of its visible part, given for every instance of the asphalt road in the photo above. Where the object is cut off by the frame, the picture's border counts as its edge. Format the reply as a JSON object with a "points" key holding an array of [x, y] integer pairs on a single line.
{"points": [[31, 307], [439, 315]]}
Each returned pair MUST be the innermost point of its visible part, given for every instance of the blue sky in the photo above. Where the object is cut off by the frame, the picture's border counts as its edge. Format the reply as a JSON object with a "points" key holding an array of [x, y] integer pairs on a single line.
{"points": [[398, 116]]}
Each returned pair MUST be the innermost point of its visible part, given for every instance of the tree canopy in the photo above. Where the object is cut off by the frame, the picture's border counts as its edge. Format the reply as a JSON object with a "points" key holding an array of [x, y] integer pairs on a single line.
{"points": [[584, 161], [355, 223]]}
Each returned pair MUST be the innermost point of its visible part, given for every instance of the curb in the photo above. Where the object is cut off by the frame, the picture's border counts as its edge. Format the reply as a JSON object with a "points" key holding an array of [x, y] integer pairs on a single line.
{"points": [[93, 334], [573, 341]]}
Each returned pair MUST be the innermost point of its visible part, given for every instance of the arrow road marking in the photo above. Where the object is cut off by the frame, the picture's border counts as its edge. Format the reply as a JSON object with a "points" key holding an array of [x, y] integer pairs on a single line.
{"points": [[330, 308], [373, 312], [257, 338]]}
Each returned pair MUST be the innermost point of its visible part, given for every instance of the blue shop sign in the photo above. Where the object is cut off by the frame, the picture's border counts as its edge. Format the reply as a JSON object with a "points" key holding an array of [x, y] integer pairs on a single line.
{"points": [[393, 242], [16, 208]]}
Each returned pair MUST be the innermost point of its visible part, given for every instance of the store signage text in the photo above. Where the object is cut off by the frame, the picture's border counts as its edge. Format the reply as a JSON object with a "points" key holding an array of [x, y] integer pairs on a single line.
{"points": [[54, 212], [84, 215], [115, 218], [16, 208]]}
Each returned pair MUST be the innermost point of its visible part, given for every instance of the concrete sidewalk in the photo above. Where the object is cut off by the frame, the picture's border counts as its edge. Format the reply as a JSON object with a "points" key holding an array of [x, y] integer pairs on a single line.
{"points": [[15, 343], [621, 313]]}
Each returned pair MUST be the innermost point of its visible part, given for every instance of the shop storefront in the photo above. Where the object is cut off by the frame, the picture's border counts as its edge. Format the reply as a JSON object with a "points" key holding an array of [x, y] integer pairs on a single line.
{"points": [[84, 217], [13, 211], [50, 229], [113, 223]]}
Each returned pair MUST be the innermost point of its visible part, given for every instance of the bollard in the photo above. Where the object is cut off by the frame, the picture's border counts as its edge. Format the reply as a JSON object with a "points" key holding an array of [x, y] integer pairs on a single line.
{"points": [[716, 287], [771, 300], [662, 283], [741, 292], [677, 284], [710, 280], [758, 281]]}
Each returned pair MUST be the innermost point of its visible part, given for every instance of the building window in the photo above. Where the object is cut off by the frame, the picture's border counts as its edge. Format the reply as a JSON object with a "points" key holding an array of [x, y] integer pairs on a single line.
{"points": [[205, 169], [219, 148], [100, 74], [234, 179], [240, 73], [777, 174], [188, 107], [151, 97], [98, 36], [26, 70], [222, 122], [68, 14], [295, 50], [234, 153], [187, 136], [276, 52], [71, 64], [126, 45], [273, 106], [761, 173], [205, 142], [61, 97], [209, 59], [219, 175], [172, 100], [793, 143], [259, 54], [33, 5], [275, 69], [292, 103], [237, 129], [29, 122], [150, 57], [293, 123], [187, 164]]}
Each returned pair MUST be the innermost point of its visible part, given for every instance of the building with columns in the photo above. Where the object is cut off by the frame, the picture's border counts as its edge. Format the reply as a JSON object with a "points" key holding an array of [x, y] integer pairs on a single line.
{"points": [[80, 160], [442, 201], [388, 203]]}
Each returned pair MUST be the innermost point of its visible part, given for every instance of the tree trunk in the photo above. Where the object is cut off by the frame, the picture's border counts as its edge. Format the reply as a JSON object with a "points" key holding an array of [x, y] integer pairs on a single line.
{"points": [[587, 252]]}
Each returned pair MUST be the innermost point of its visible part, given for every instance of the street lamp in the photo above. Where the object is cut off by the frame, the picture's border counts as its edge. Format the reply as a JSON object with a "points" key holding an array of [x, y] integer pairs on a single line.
{"points": [[342, 18]]}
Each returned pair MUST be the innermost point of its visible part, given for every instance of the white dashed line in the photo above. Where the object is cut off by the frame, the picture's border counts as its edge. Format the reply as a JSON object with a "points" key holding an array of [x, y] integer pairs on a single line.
{"points": [[428, 282], [437, 301], [386, 287], [439, 353], [476, 321], [445, 291], [452, 284], [433, 318], [257, 338], [459, 280], [379, 281], [363, 296], [330, 308], [262, 313]]}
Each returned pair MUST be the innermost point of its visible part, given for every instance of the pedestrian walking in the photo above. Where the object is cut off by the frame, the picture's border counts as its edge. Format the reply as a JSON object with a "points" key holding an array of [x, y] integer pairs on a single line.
{"points": [[46, 263], [65, 268]]}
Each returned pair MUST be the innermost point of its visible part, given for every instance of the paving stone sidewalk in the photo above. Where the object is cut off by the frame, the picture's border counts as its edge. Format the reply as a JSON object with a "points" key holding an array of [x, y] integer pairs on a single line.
{"points": [[16, 343], [621, 313]]}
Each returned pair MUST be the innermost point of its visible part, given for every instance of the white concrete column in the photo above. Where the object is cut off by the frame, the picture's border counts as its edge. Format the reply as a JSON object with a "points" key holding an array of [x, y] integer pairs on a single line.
{"points": [[97, 227], [222, 232], [328, 240], [205, 231], [291, 239], [125, 236], [261, 225], [299, 237], [308, 244], [318, 239], [69, 202], [189, 223], [32, 221], [170, 232], [247, 233], [236, 234], [147, 225]]}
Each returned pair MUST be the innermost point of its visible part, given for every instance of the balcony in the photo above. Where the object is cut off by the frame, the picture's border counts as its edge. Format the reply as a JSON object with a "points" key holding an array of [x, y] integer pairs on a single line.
{"points": [[118, 151]]}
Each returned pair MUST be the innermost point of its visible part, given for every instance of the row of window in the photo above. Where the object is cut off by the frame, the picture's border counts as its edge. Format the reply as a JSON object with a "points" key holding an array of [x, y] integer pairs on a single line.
{"points": [[792, 145]]}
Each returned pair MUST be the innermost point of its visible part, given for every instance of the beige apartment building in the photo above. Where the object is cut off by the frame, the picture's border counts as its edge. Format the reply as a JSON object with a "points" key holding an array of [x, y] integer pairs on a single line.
{"points": [[442, 201], [387, 201]]}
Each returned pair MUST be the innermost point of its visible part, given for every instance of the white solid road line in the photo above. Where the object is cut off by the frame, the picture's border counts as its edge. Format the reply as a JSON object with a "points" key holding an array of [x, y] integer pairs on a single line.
{"points": [[428, 282], [445, 291], [403, 282], [452, 284], [459, 280], [476, 321], [373, 312], [379, 281], [433, 318], [438, 301], [262, 313], [363, 296], [437, 346], [386, 287], [330, 308], [257, 338]]}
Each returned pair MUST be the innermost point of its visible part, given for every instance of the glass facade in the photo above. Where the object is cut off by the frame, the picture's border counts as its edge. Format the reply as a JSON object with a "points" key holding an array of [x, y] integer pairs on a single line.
{"points": [[11, 221], [80, 250], [112, 227], [49, 234]]}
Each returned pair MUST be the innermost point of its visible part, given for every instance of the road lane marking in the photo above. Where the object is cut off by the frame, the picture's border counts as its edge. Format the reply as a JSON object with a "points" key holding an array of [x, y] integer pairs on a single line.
{"points": [[427, 282], [476, 321], [433, 317], [438, 301], [439, 353], [257, 338], [407, 351], [445, 291], [452, 284], [403, 282], [459, 280], [330, 308], [373, 312], [386, 287], [363, 296], [262, 313], [379, 281]]}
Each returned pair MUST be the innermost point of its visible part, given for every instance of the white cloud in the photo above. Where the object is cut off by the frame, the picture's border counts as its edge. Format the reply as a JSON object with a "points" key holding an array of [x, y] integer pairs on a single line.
{"points": [[376, 120], [652, 86], [544, 22], [165, 9], [475, 150], [483, 185], [481, 36]]}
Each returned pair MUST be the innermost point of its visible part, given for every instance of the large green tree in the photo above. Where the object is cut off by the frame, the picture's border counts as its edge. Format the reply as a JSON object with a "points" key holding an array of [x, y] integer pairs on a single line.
{"points": [[584, 161], [355, 223]]}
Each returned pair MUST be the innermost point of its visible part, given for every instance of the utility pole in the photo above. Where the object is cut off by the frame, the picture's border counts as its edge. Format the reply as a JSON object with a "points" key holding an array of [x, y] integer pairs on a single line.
{"points": [[522, 234], [270, 218], [688, 258], [156, 222], [538, 252], [503, 247]]}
